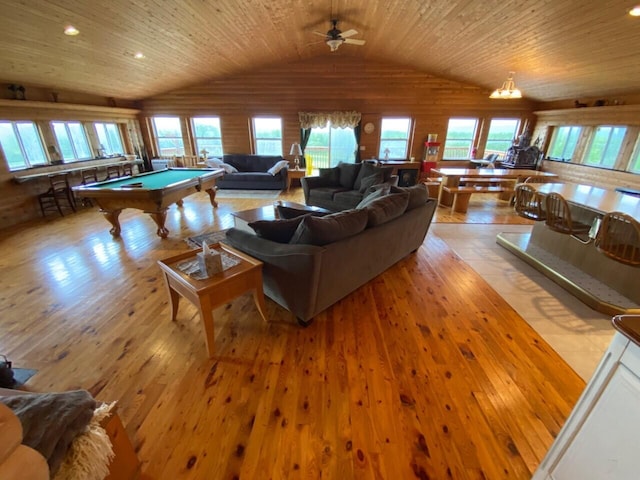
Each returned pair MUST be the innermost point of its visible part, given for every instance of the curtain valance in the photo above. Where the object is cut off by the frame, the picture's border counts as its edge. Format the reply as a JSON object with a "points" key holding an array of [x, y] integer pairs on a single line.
{"points": [[337, 119]]}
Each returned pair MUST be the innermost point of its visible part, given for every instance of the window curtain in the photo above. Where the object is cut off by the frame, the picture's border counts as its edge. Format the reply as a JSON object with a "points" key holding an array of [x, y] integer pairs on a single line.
{"points": [[305, 133], [309, 120], [356, 133]]}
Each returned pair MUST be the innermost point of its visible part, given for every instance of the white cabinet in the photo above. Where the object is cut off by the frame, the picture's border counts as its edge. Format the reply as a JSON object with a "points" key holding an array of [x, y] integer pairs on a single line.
{"points": [[601, 438]]}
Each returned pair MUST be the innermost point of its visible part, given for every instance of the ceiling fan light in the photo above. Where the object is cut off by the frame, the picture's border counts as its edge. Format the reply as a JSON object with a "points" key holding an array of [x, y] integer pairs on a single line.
{"points": [[334, 43]]}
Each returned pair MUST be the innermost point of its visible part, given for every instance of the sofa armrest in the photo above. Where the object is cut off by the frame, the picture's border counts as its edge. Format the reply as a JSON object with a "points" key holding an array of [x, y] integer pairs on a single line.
{"points": [[291, 273]]}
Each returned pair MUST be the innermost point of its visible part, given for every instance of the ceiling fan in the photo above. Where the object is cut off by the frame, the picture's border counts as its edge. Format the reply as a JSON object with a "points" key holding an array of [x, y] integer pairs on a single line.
{"points": [[334, 37]]}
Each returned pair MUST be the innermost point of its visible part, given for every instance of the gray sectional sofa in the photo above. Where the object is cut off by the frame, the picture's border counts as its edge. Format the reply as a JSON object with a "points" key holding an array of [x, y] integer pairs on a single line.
{"points": [[345, 185], [252, 172], [326, 259]]}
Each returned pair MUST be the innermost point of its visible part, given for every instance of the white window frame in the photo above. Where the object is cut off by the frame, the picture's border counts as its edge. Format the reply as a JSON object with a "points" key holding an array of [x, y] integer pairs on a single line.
{"points": [[109, 148], [607, 145], [257, 140], [385, 141], [26, 161], [196, 137], [565, 157], [66, 124], [471, 140], [501, 153], [158, 137]]}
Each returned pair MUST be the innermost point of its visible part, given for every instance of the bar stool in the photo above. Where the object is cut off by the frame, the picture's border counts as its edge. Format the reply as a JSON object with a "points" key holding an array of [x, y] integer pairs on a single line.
{"points": [[127, 170], [528, 203], [59, 195], [113, 171], [619, 238], [559, 218], [89, 175]]}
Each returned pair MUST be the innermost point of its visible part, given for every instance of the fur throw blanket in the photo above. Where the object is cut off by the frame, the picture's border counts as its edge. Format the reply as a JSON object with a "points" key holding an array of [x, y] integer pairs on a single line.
{"points": [[51, 421]]}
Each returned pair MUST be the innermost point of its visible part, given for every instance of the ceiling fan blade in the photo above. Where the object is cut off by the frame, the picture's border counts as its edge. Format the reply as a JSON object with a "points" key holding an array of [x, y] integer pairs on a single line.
{"points": [[349, 33], [321, 34], [354, 41]]}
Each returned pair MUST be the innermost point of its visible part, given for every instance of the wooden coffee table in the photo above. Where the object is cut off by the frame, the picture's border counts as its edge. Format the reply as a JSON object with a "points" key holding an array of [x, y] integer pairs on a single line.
{"points": [[216, 290], [242, 219]]}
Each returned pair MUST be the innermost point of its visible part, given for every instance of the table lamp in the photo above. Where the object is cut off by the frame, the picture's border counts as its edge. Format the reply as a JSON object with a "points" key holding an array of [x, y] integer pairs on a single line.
{"points": [[296, 150]]}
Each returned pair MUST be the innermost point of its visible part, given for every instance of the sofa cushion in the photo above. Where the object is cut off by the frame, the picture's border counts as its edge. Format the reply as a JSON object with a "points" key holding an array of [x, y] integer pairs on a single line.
{"points": [[325, 193], [251, 163], [331, 228], [418, 194], [368, 169], [374, 193], [347, 199], [290, 212], [370, 181], [279, 231], [385, 209], [330, 176], [277, 167], [348, 174]]}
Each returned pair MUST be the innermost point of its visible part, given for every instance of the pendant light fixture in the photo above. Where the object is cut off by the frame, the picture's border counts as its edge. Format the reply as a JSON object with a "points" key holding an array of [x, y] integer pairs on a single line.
{"points": [[508, 89]]}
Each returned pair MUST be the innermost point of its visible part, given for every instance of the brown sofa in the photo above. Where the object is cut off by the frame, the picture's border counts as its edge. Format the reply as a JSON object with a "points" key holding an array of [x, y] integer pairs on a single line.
{"points": [[306, 278]]}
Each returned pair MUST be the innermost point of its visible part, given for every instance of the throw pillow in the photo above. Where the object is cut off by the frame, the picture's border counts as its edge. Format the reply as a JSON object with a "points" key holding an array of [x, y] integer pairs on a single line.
{"points": [[373, 193], [331, 228], [385, 209], [367, 168], [290, 212], [331, 176], [214, 162], [418, 194], [228, 168], [348, 174], [370, 181], [279, 231], [278, 166]]}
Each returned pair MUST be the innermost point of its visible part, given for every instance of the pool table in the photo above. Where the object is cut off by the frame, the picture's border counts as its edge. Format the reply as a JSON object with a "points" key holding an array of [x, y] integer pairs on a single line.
{"points": [[150, 192]]}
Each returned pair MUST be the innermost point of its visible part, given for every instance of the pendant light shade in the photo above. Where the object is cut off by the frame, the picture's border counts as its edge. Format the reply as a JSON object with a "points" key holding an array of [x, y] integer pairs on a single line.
{"points": [[508, 89]]}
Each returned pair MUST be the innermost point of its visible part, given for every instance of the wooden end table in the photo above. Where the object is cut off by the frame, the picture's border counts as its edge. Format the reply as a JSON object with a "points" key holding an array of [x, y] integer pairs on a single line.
{"points": [[216, 290], [294, 174]]}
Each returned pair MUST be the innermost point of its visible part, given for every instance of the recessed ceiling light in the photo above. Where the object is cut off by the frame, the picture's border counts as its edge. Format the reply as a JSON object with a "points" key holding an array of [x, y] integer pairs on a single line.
{"points": [[71, 30], [138, 55], [635, 11]]}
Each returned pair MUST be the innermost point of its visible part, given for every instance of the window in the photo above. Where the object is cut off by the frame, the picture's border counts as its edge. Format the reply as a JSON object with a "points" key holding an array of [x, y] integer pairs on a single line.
{"points": [[72, 140], [267, 135], [329, 146], [394, 138], [208, 135], [21, 145], [605, 146], [109, 138], [502, 131], [634, 163], [564, 142], [460, 137], [169, 136]]}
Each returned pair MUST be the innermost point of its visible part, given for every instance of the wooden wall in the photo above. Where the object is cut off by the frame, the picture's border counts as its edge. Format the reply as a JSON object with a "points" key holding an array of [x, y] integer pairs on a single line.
{"points": [[589, 118], [18, 202], [329, 83]]}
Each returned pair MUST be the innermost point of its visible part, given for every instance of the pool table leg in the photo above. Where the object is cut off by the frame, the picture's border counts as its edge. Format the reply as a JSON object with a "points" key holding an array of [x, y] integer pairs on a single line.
{"points": [[159, 217], [212, 196], [112, 218]]}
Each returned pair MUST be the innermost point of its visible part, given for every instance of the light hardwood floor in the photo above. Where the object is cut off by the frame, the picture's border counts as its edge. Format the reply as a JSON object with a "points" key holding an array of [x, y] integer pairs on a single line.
{"points": [[425, 372]]}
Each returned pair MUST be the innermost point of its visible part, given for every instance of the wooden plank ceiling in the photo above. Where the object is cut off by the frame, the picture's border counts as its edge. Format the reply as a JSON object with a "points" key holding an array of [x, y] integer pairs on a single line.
{"points": [[566, 49]]}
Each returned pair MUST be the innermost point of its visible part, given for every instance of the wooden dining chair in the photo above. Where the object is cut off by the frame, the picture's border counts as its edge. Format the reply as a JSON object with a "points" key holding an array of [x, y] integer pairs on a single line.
{"points": [[113, 171], [58, 195], [536, 179], [528, 203], [558, 219], [619, 238]]}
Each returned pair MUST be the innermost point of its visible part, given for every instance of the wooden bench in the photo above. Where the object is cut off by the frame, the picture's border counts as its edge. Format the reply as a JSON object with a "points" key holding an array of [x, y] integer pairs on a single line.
{"points": [[433, 186], [462, 194]]}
